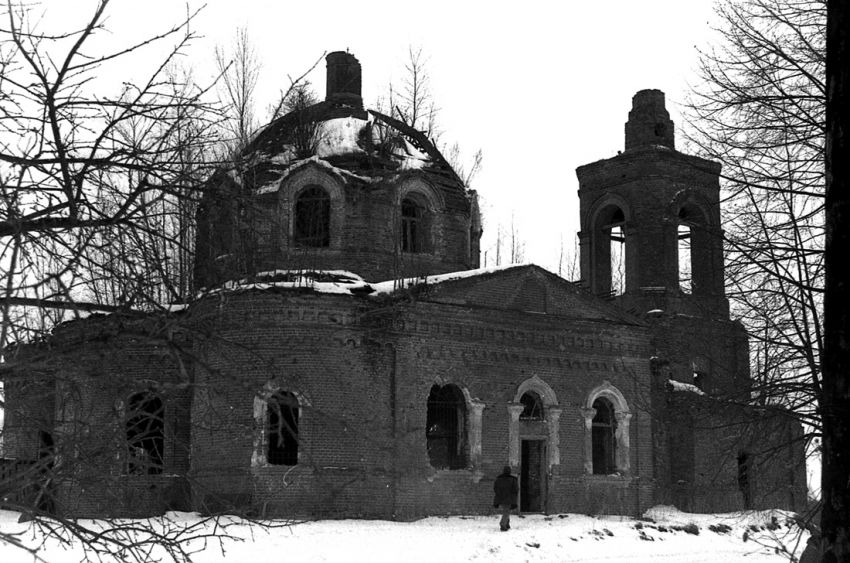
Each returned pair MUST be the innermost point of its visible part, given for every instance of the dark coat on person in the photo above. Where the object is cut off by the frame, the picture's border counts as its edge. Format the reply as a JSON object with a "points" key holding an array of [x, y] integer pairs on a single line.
{"points": [[506, 489]]}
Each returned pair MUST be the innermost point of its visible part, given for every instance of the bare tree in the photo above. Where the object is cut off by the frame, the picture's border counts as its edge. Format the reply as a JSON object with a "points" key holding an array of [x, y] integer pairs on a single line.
{"points": [[97, 195], [773, 109], [568, 261], [466, 171], [413, 103], [835, 402], [305, 129], [240, 71], [760, 111], [508, 246], [287, 99], [517, 244]]}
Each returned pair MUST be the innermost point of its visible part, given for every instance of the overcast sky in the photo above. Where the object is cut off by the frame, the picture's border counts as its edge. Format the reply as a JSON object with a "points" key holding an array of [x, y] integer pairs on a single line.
{"points": [[540, 87]]}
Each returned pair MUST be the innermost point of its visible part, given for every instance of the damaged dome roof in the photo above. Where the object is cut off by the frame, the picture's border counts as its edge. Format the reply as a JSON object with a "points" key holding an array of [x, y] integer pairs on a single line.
{"points": [[366, 143]]}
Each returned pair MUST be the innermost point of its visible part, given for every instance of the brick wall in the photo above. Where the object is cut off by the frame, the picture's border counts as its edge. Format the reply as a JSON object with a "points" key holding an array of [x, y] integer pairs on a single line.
{"points": [[363, 369], [364, 229]]}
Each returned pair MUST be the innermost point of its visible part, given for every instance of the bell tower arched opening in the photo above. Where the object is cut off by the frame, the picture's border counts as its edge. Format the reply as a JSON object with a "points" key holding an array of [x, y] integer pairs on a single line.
{"points": [[609, 246], [695, 250]]}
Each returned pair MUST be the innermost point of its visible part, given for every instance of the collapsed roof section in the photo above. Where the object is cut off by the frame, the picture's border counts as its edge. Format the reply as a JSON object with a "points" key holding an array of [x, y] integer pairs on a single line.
{"points": [[366, 143]]}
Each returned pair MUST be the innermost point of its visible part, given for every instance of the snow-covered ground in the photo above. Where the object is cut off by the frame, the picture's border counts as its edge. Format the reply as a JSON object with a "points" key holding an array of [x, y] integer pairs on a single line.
{"points": [[665, 535]]}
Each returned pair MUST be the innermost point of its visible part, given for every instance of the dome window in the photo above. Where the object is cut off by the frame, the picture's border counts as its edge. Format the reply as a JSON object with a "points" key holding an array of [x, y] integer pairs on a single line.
{"points": [[313, 218], [414, 226]]}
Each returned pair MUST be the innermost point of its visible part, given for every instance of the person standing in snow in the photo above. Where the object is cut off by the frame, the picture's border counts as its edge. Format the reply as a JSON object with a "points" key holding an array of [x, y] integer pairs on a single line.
{"points": [[506, 489]]}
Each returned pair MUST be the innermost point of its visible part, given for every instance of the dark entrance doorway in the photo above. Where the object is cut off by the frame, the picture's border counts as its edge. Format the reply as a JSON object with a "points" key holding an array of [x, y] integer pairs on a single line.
{"points": [[532, 488]]}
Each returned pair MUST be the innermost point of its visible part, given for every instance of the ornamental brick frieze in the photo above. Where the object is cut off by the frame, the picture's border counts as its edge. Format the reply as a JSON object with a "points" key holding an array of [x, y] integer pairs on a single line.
{"points": [[263, 341], [479, 355], [548, 340], [271, 316]]}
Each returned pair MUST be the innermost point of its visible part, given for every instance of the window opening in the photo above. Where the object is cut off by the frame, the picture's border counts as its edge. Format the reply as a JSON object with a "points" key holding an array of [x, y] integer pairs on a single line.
{"points": [[615, 251], [313, 218], [618, 260], [602, 436], [413, 234], [684, 252], [445, 427], [46, 460], [699, 380], [532, 406], [745, 474], [145, 428], [282, 429]]}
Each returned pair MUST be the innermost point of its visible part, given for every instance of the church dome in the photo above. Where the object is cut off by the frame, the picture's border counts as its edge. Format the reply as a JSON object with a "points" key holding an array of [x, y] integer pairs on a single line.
{"points": [[331, 186]]}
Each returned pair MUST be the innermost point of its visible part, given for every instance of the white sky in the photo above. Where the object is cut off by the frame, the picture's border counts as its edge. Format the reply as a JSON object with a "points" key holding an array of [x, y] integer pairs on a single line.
{"points": [[540, 87]]}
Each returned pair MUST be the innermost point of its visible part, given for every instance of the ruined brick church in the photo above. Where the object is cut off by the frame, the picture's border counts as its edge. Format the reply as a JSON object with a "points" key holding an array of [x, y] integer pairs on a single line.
{"points": [[347, 356]]}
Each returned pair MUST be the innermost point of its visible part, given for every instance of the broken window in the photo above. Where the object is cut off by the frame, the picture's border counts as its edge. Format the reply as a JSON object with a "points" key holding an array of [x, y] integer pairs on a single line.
{"points": [[313, 218], [603, 433], [699, 366], [145, 427], [414, 231], [45, 464], [445, 427], [684, 253], [699, 380], [745, 475], [532, 406], [282, 429]]}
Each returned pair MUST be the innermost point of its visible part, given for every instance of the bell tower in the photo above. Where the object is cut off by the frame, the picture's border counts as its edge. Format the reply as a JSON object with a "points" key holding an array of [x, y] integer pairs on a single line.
{"points": [[650, 220]]}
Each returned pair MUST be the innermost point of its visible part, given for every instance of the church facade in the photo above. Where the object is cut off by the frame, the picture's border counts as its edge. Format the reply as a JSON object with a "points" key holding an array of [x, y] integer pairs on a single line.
{"points": [[347, 356]]}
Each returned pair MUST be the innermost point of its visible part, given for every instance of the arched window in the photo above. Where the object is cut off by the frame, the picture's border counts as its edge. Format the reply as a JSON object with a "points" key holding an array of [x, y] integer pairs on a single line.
{"points": [[145, 427], [313, 218], [445, 427], [609, 251], [604, 445], [532, 406], [282, 429], [607, 421], [414, 225]]}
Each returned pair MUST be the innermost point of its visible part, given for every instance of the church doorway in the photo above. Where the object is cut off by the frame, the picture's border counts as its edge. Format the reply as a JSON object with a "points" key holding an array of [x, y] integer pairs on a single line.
{"points": [[532, 487]]}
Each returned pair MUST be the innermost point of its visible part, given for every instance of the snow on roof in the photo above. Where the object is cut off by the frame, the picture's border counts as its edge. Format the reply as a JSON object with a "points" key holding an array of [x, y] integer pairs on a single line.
{"points": [[340, 136], [390, 286], [413, 158], [686, 387], [274, 185], [320, 281], [344, 282]]}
